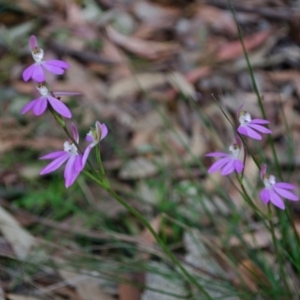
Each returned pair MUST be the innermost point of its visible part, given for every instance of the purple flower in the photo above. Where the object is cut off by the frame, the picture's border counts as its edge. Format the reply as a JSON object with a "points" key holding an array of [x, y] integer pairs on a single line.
{"points": [[39, 105], [250, 127], [95, 135], [275, 191], [228, 163], [36, 71], [71, 155]]}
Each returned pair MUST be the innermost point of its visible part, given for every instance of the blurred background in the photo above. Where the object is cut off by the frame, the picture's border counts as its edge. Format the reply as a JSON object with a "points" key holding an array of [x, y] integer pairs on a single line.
{"points": [[155, 72]]}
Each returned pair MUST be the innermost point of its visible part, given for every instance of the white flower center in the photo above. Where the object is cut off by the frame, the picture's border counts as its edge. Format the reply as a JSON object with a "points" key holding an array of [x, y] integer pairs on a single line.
{"points": [[244, 118], [269, 181], [70, 147], [234, 150], [38, 55], [43, 90]]}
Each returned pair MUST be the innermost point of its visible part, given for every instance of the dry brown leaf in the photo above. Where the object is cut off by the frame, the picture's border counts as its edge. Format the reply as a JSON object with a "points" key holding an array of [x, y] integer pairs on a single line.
{"points": [[251, 275], [234, 49], [182, 85], [20, 297], [139, 82], [148, 49], [87, 287], [155, 14], [260, 239], [219, 19], [20, 240], [128, 291]]}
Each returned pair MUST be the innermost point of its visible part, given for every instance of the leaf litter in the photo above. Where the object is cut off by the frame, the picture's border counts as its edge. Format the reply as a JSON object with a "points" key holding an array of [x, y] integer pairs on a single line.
{"points": [[149, 69]]}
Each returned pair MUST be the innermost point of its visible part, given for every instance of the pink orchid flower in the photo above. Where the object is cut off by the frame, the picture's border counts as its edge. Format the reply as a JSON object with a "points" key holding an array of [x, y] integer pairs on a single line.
{"points": [[228, 163], [36, 71], [71, 155], [40, 104], [95, 135], [249, 127], [275, 191]]}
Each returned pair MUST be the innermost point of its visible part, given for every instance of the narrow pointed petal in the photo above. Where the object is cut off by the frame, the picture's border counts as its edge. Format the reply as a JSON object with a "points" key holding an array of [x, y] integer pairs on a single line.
{"points": [[286, 194], [59, 107], [86, 154], [245, 130], [260, 121], [228, 168], [55, 164], [66, 93], [276, 200], [218, 164], [40, 106], [75, 133], [53, 155], [29, 106], [78, 163], [284, 185], [33, 42], [70, 173], [104, 131], [53, 69], [238, 166], [57, 63], [259, 128], [239, 110], [265, 196], [263, 171], [38, 73], [27, 73], [217, 154]]}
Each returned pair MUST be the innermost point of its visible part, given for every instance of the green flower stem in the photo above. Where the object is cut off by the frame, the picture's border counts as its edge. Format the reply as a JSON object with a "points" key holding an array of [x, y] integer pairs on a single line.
{"points": [[270, 140], [159, 241], [278, 254]]}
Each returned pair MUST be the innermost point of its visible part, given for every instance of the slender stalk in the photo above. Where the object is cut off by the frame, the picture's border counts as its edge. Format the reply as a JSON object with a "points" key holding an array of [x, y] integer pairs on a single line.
{"points": [[255, 88], [160, 242]]}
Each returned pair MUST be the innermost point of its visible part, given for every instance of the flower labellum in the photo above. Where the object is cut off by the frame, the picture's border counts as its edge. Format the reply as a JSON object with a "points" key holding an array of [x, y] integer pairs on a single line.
{"points": [[36, 71], [275, 191]]}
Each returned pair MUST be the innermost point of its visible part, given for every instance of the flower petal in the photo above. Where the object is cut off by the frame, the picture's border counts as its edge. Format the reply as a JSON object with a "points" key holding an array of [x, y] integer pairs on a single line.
{"points": [[53, 155], [285, 185], [247, 131], [86, 154], [284, 193], [265, 195], [104, 131], [53, 69], [38, 73], [29, 106], [218, 164], [259, 128], [217, 154], [55, 164], [27, 73], [75, 133], [71, 173], [59, 107], [33, 42], [57, 63], [238, 166], [276, 200], [260, 121], [40, 106], [228, 168]]}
